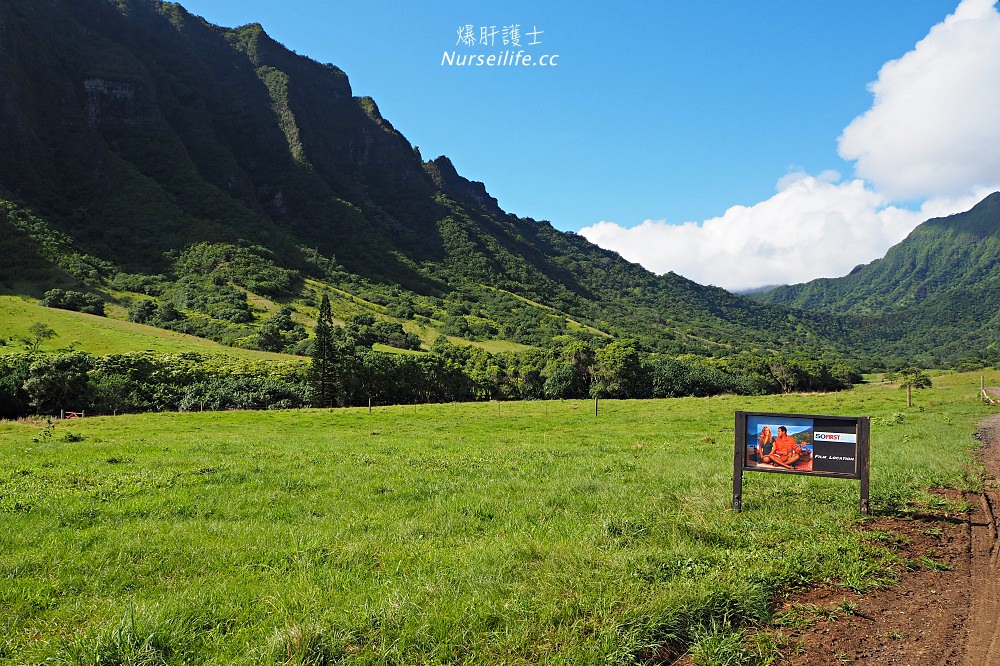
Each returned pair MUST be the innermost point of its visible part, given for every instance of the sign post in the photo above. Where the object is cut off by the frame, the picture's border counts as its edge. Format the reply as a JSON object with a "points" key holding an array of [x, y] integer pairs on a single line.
{"points": [[808, 444]]}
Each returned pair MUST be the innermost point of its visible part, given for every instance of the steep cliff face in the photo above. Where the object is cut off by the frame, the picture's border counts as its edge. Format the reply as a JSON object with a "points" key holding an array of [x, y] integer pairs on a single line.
{"points": [[109, 101], [139, 126], [444, 175]]}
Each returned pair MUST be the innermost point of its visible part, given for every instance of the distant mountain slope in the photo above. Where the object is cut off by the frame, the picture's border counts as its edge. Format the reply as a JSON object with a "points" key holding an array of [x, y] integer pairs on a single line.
{"points": [[132, 131], [145, 153], [939, 259]]}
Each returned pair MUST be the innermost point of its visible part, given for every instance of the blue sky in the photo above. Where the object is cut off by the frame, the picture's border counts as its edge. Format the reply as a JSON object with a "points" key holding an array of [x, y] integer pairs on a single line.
{"points": [[657, 114]]}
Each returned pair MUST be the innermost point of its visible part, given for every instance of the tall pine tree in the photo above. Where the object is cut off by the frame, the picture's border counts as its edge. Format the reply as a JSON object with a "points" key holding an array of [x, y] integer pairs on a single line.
{"points": [[323, 372]]}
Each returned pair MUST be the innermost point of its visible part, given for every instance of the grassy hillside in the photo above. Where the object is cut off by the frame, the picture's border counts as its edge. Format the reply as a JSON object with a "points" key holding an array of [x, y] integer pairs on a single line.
{"points": [[101, 335], [518, 533]]}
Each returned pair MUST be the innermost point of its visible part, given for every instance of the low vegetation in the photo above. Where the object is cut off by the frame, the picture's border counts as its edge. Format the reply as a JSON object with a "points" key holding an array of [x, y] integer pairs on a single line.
{"points": [[528, 532]]}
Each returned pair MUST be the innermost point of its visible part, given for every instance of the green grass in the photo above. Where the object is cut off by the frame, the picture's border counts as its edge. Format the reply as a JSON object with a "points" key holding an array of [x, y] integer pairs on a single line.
{"points": [[102, 335], [514, 533]]}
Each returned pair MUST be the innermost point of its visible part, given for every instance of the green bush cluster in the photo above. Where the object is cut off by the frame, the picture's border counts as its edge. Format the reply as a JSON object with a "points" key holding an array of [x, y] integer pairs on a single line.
{"points": [[74, 300], [145, 381], [223, 263]]}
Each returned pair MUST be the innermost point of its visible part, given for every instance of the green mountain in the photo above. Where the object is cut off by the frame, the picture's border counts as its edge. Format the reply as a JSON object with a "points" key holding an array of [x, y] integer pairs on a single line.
{"points": [[940, 259], [933, 298], [211, 181], [144, 151]]}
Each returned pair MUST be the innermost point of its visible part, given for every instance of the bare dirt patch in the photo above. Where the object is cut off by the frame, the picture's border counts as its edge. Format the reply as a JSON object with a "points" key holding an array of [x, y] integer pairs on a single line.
{"points": [[945, 609]]}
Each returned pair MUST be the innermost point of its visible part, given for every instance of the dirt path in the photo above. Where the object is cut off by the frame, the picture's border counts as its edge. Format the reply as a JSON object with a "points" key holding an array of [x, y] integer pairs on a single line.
{"points": [[945, 611], [983, 639]]}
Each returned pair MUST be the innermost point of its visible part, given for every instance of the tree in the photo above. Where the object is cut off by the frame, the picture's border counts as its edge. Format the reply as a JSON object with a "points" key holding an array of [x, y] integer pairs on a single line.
{"points": [[13, 397], [74, 300], [39, 333], [279, 332], [560, 382], [58, 382], [142, 310], [618, 373], [911, 378], [323, 372], [569, 371]]}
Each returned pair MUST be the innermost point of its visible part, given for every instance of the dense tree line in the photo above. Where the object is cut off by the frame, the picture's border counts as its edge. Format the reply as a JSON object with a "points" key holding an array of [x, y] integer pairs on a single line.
{"points": [[345, 373], [37, 383]]}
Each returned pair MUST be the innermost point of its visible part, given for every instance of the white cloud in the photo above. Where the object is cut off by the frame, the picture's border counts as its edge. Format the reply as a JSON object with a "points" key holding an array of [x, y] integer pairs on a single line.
{"points": [[812, 227], [931, 134], [932, 129]]}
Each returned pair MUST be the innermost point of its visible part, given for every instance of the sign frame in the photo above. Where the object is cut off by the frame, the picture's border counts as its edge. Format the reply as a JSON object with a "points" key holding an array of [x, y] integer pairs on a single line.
{"points": [[838, 433]]}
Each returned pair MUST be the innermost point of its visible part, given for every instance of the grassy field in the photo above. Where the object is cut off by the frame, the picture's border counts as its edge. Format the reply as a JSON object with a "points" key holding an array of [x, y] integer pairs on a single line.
{"points": [[499, 533], [102, 335]]}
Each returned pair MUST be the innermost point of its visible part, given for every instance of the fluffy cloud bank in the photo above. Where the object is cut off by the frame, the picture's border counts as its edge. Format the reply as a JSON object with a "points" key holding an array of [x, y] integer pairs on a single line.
{"points": [[930, 135], [813, 227]]}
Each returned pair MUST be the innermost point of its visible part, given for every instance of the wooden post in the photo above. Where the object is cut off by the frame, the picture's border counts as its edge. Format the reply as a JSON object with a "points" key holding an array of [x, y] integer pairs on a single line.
{"points": [[739, 450], [864, 466], [909, 394], [369, 404], [595, 405]]}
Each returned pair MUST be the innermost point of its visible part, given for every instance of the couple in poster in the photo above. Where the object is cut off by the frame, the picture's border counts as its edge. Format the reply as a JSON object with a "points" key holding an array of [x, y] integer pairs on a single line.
{"points": [[774, 446]]}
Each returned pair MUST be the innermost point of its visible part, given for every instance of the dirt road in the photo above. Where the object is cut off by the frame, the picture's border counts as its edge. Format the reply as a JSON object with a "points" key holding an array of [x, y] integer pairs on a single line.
{"points": [[945, 611], [982, 644]]}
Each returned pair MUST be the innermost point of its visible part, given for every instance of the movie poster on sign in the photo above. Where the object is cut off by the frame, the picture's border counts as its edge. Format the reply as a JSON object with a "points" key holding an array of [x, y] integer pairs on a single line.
{"points": [[780, 443], [804, 444]]}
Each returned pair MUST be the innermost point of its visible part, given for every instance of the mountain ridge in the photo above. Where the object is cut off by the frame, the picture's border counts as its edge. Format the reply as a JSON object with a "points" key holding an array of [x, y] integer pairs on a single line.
{"points": [[155, 155]]}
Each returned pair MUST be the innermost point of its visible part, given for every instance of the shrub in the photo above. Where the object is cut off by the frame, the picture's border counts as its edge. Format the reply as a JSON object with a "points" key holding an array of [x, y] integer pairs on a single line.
{"points": [[74, 300], [58, 382]]}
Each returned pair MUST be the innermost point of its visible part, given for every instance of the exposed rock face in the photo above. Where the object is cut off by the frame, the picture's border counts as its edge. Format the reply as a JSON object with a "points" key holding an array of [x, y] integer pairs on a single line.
{"points": [[109, 101], [446, 177], [376, 143]]}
